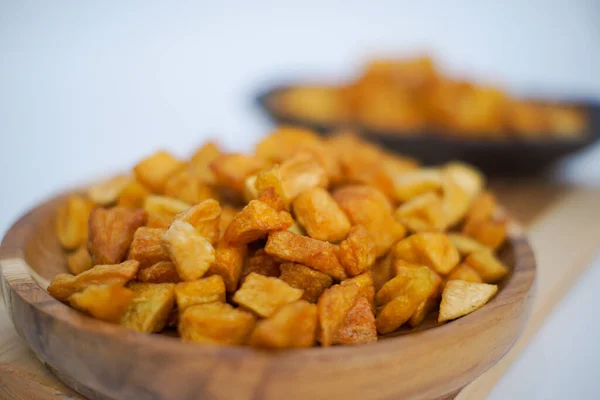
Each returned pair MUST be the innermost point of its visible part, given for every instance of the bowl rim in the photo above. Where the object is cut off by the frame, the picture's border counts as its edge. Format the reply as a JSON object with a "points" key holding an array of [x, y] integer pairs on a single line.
{"points": [[18, 278]]}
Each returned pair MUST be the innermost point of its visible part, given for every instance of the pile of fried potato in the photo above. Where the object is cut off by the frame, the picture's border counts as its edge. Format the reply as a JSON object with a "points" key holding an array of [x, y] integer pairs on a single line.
{"points": [[308, 240], [413, 96]]}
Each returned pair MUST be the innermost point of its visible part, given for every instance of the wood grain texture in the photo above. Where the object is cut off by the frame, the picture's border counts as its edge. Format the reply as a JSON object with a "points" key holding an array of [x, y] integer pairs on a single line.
{"points": [[105, 361]]}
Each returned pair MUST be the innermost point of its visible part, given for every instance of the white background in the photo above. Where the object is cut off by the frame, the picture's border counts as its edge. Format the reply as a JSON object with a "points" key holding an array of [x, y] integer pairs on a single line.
{"points": [[90, 87]]}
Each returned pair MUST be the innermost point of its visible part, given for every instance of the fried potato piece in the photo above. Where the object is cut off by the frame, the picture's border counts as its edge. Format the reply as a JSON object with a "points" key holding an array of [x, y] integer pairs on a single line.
{"points": [[105, 302], [161, 272], [370, 208], [191, 252], [271, 179], [467, 177], [154, 171], [464, 272], [333, 306], [357, 252], [64, 285], [111, 233], [202, 291], [482, 209], [423, 310], [284, 142], [107, 192], [200, 162], [300, 173], [456, 201], [72, 221], [490, 233], [400, 297], [461, 298], [227, 215], [160, 221], [216, 323], [487, 266], [423, 213], [231, 170], [297, 229], [465, 245], [79, 260], [263, 264], [358, 326], [164, 206], [255, 221], [317, 254], [413, 184], [273, 200], [182, 184], [291, 326], [147, 247], [205, 217], [383, 271], [150, 308], [434, 250], [265, 295], [312, 282], [320, 215], [229, 261], [133, 195], [364, 282]]}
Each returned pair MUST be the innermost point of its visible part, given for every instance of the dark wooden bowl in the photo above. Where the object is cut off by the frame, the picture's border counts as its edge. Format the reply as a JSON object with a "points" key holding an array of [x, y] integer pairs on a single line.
{"points": [[105, 361]]}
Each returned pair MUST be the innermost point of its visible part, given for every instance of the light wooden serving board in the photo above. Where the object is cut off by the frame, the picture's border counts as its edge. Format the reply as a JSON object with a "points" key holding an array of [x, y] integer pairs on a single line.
{"points": [[555, 217]]}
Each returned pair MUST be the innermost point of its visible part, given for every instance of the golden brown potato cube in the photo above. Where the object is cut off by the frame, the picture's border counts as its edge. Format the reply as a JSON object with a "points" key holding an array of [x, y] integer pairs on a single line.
{"points": [[311, 281], [64, 285], [262, 264], [112, 231], [333, 306], [320, 215], [434, 250], [164, 206], [423, 310], [265, 295], [271, 179], [291, 326], [464, 272], [255, 221], [324, 155], [205, 217], [456, 201], [487, 266], [202, 291], [72, 221], [300, 173], [105, 302], [231, 170], [191, 253], [161, 272], [229, 261], [159, 221], [107, 192], [358, 326], [367, 206], [228, 213], [273, 200], [383, 271], [150, 308], [461, 298], [482, 208], [317, 254], [182, 184], [216, 323], [201, 160], [133, 195], [79, 260], [465, 245], [467, 177], [364, 282], [490, 233], [147, 247], [153, 171], [423, 213], [415, 183], [400, 297], [284, 143], [357, 252]]}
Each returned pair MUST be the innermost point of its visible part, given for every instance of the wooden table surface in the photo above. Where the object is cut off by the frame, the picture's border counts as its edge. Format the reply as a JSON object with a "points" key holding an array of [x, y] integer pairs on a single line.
{"points": [[555, 216]]}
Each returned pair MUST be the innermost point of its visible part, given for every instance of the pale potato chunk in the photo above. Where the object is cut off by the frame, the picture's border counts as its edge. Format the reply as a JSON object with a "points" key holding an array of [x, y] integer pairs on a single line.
{"points": [[202, 291], [467, 177], [291, 326], [167, 207], [191, 252], [300, 173], [487, 266], [150, 308], [72, 221], [265, 295], [320, 215], [216, 323], [185, 186], [231, 170], [465, 245], [415, 183], [154, 171], [107, 192], [434, 250], [423, 213], [205, 217], [461, 298], [105, 302]]}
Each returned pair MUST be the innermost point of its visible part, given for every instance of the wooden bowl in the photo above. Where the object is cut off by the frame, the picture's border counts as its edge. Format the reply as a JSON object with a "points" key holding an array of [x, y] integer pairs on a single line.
{"points": [[105, 361]]}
